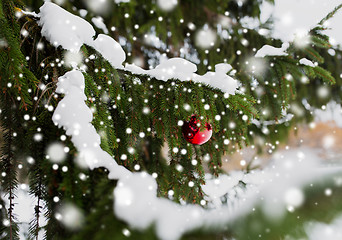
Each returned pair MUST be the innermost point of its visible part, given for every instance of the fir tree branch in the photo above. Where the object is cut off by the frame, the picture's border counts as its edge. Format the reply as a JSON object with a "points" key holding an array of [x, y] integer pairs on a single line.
{"points": [[330, 15], [7, 166]]}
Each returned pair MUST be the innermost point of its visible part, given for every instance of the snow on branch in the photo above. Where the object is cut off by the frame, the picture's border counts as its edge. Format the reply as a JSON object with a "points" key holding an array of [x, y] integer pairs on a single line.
{"points": [[64, 29], [136, 200], [75, 117], [268, 50], [306, 62]]}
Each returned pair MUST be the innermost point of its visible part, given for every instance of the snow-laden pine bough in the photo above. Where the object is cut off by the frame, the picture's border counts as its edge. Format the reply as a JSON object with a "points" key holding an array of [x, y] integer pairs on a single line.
{"points": [[135, 195]]}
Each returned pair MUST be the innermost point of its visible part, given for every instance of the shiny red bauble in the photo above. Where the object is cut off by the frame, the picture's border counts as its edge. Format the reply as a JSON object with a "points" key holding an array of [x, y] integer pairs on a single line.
{"points": [[193, 134]]}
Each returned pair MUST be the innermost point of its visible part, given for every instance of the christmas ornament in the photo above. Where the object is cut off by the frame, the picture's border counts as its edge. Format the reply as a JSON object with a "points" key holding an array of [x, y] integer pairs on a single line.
{"points": [[193, 134]]}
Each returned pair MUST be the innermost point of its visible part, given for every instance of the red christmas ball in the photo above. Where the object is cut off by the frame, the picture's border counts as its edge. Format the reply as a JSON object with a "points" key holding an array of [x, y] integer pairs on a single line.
{"points": [[193, 134]]}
